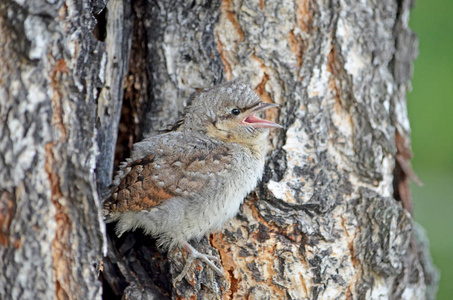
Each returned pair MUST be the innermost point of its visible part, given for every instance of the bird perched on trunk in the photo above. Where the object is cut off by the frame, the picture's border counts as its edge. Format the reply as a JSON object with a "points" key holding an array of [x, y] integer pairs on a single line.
{"points": [[185, 183]]}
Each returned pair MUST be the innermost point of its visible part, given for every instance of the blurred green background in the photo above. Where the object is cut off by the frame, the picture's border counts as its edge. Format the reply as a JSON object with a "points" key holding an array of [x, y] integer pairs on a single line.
{"points": [[430, 107]]}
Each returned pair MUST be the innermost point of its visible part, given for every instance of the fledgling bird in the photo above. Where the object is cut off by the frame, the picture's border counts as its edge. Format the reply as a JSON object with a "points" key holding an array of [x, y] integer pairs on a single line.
{"points": [[180, 185]]}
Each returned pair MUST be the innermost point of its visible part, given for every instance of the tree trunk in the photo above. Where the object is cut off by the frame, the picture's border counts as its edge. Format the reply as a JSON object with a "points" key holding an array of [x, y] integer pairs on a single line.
{"points": [[332, 216], [51, 68]]}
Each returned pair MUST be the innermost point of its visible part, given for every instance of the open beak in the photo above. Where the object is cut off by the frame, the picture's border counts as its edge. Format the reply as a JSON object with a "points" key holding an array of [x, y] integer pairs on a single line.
{"points": [[252, 120]]}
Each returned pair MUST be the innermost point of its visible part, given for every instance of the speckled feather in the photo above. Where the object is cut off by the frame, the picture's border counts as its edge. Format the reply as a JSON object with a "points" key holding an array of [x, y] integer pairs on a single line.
{"points": [[177, 165]]}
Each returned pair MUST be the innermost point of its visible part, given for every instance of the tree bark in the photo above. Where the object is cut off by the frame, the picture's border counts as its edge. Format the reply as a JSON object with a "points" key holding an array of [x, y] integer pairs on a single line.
{"points": [[332, 216], [52, 234]]}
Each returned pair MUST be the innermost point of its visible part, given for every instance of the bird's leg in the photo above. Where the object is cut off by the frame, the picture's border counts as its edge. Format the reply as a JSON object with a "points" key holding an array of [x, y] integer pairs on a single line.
{"points": [[194, 254]]}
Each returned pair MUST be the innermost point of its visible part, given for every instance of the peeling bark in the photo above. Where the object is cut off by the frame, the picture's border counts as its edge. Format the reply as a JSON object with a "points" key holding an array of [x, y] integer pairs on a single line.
{"points": [[330, 220]]}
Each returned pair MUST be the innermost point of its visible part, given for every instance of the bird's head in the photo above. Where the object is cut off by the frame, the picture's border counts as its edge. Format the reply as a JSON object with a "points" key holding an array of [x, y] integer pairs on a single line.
{"points": [[228, 112]]}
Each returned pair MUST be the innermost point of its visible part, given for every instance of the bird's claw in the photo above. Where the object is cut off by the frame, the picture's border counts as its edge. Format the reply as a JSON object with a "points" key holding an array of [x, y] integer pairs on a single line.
{"points": [[184, 270], [206, 258], [194, 254]]}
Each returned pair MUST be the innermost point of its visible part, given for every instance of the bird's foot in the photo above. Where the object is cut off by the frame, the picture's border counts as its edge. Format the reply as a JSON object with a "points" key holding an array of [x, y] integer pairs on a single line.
{"points": [[194, 254]]}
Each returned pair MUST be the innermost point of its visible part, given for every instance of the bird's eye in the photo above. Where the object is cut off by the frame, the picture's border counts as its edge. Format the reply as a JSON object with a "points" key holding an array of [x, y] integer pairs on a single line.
{"points": [[235, 111]]}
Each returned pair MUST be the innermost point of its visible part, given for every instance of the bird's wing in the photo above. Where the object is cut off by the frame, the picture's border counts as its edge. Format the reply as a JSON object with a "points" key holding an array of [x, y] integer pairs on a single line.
{"points": [[173, 165]]}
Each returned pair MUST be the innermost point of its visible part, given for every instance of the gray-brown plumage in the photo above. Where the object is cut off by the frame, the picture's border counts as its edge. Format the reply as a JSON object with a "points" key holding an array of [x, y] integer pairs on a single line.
{"points": [[180, 185]]}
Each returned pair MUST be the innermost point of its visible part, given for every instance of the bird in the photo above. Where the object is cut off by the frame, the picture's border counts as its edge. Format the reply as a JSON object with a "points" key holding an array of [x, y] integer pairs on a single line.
{"points": [[184, 183]]}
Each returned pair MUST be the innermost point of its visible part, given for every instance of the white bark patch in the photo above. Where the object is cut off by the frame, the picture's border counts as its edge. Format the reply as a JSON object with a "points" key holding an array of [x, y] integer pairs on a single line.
{"points": [[296, 141], [318, 82], [37, 34]]}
